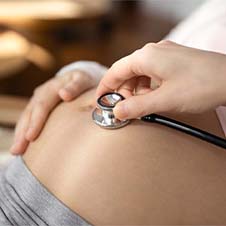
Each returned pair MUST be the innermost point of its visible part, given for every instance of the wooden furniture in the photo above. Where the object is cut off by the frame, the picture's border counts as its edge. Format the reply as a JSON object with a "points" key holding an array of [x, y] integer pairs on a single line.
{"points": [[6, 138], [10, 109]]}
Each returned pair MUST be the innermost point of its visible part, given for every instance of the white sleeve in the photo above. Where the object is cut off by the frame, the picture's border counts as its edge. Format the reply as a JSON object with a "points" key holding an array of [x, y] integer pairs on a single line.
{"points": [[92, 68], [204, 29]]}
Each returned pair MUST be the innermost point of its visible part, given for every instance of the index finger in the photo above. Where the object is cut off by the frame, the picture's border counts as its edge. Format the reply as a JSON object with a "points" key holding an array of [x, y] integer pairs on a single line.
{"points": [[154, 60], [121, 71]]}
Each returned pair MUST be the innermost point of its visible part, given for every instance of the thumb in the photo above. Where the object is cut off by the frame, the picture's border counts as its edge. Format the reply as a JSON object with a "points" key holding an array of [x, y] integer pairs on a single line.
{"points": [[138, 106]]}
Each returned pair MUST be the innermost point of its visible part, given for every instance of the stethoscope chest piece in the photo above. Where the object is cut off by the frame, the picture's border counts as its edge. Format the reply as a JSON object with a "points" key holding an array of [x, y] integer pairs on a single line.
{"points": [[103, 115]]}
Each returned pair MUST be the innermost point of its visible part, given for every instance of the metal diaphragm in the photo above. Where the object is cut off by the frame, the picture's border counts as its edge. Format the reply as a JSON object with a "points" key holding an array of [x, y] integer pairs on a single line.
{"points": [[103, 115]]}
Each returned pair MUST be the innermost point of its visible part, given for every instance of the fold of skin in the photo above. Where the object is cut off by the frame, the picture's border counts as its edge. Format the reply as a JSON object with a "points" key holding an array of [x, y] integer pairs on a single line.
{"points": [[142, 174]]}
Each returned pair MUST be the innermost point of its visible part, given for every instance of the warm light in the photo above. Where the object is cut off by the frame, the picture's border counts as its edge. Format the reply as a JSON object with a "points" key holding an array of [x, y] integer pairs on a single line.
{"points": [[12, 10], [39, 9], [13, 47], [24, 13]]}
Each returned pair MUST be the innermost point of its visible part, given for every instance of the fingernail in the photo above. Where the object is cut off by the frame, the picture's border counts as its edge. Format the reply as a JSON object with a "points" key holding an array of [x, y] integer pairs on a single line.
{"points": [[15, 148], [121, 111], [61, 92], [65, 94]]}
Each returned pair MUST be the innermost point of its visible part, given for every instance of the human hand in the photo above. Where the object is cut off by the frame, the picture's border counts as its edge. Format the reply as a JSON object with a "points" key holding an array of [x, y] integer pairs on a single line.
{"points": [[44, 99], [190, 80]]}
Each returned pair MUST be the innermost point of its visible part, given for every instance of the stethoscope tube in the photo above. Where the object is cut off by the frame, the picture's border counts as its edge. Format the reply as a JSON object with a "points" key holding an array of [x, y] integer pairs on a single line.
{"points": [[203, 135], [103, 116]]}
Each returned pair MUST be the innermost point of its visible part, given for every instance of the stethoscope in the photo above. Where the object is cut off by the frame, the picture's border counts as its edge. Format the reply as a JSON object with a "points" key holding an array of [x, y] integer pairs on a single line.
{"points": [[104, 117]]}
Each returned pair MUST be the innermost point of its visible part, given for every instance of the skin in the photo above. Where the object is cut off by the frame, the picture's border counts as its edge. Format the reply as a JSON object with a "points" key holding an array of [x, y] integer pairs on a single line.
{"points": [[44, 100], [142, 174], [199, 77]]}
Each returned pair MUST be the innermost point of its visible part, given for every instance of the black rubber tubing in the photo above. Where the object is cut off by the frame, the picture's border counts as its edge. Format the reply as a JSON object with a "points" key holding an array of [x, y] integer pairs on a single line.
{"points": [[201, 134]]}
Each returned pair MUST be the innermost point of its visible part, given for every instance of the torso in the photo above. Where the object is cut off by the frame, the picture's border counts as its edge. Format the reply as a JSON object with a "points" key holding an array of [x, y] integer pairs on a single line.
{"points": [[141, 174]]}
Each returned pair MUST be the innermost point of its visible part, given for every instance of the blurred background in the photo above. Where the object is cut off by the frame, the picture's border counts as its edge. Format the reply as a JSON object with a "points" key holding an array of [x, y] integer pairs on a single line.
{"points": [[38, 37]]}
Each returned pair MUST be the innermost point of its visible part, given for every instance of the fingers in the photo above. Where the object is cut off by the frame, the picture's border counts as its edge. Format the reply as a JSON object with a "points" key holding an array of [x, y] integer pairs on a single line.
{"points": [[127, 89], [35, 114], [140, 105], [143, 85], [20, 142], [78, 83], [41, 107], [66, 88], [119, 73], [38, 117], [129, 67], [45, 98], [140, 85], [153, 60]]}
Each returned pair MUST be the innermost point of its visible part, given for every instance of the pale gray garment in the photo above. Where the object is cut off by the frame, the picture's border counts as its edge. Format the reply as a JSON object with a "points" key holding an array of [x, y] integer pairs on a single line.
{"points": [[25, 202]]}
